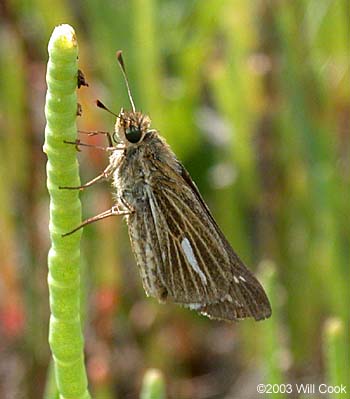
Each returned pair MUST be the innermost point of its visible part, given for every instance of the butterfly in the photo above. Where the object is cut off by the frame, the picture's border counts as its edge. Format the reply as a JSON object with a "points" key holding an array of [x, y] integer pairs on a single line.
{"points": [[182, 255]]}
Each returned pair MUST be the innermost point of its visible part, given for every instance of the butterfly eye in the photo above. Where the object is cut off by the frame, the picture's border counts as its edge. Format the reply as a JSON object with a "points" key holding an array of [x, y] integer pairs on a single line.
{"points": [[133, 134]]}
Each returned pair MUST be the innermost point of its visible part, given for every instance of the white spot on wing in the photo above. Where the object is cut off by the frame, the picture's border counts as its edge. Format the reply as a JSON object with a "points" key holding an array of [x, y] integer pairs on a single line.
{"points": [[242, 278], [186, 246], [194, 306], [236, 279]]}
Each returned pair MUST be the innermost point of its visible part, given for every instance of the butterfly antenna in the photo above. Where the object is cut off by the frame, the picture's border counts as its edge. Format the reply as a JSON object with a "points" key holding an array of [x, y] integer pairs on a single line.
{"points": [[122, 67], [101, 105]]}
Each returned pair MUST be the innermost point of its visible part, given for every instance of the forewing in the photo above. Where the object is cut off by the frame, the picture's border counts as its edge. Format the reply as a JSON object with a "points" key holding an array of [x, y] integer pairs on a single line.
{"points": [[184, 257]]}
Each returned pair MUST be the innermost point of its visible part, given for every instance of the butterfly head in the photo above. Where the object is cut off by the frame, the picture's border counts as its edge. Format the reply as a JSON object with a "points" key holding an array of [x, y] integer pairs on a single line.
{"points": [[131, 126]]}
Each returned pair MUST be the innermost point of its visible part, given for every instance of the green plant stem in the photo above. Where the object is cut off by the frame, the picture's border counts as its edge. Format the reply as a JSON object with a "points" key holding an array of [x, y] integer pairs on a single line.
{"points": [[336, 350], [153, 386], [65, 332], [272, 347], [51, 391]]}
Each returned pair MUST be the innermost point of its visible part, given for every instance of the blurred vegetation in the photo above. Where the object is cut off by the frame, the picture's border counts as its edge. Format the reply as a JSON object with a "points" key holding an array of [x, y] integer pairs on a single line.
{"points": [[254, 97]]}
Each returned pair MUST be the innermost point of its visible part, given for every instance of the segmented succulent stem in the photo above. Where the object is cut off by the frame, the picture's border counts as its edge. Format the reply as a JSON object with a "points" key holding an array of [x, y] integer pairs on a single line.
{"points": [[65, 332]]}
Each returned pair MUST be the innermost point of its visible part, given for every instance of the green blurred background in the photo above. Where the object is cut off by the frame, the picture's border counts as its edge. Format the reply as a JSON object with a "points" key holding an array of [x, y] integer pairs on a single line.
{"points": [[253, 96]]}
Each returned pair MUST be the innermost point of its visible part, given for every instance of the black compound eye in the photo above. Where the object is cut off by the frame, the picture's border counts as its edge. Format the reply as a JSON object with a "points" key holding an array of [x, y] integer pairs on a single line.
{"points": [[133, 134]]}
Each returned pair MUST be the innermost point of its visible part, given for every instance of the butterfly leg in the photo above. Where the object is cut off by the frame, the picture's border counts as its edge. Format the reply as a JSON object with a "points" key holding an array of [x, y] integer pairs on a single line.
{"points": [[103, 176], [125, 203], [78, 143], [96, 132], [114, 211]]}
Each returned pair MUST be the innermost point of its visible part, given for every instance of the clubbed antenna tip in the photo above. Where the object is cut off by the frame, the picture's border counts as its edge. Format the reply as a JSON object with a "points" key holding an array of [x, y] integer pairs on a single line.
{"points": [[101, 105], [122, 67]]}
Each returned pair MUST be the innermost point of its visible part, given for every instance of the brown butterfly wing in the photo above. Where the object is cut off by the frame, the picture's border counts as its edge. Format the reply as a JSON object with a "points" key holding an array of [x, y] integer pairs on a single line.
{"points": [[184, 257]]}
